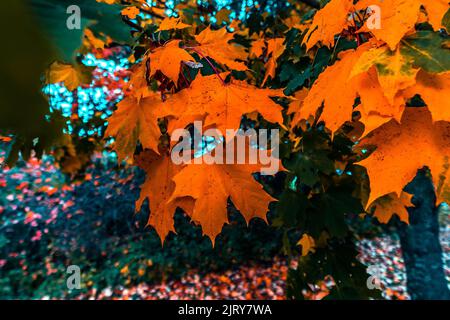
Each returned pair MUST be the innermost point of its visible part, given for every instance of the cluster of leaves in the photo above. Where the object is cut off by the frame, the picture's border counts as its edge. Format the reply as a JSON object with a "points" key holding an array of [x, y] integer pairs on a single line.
{"points": [[183, 74], [228, 70], [378, 87]]}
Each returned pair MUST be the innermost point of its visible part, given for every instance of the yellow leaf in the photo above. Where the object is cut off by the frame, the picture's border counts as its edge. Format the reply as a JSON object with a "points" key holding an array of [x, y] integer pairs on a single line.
{"points": [[69, 75]]}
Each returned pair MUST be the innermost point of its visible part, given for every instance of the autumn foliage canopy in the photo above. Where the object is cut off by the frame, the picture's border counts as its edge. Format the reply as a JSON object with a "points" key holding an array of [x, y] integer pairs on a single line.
{"points": [[358, 89]]}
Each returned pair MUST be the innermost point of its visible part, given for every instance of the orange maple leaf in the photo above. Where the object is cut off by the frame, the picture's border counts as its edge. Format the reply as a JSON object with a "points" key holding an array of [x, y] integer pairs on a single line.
{"points": [[307, 243], [275, 49], [327, 22], [436, 10], [432, 88], [385, 207], [130, 12], [168, 59], [135, 119], [138, 80], [223, 104], [170, 23], [158, 188], [398, 17], [337, 89], [212, 184], [395, 72], [404, 148], [257, 48], [215, 44], [296, 105]]}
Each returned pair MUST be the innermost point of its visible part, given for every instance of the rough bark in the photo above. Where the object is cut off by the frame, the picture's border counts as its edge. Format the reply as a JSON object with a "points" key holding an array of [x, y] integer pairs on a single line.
{"points": [[420, 244]]}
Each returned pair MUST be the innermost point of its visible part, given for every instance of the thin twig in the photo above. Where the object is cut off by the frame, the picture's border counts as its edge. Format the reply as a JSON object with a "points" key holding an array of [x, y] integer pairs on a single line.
{"points": [[209, 62]]}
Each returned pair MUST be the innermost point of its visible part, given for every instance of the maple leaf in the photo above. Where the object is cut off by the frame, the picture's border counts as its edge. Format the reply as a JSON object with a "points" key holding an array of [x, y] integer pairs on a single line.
{"points": [[373, 98], [335, 91], [296, 105], [338, 86], [257, 48], [130, 12], [138, 80], [108, 1], [170, 23], [385, 207], [215, 44], [222, 103], [372, 120], [71, 76], [327, 22], [275, 49], [432, 87], [212, 184], [398, 17], [135, 119], [427, 50], [91, 41], [404, 148], [436, 10], [395, 71], [168, 59], [158, 188], [307, 243], [382, 78]]}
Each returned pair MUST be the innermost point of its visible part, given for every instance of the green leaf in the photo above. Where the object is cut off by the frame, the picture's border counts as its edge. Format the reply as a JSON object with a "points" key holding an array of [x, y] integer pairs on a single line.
{"points": [[331, 211], [298, 81], [291, 209], [426, 50], [313, 160], [22, 63], [102, 18], [446, 21]]}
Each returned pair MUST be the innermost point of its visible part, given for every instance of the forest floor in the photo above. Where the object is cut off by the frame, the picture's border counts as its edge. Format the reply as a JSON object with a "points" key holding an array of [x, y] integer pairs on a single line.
{"points": [[34, 202], [267, 281]]}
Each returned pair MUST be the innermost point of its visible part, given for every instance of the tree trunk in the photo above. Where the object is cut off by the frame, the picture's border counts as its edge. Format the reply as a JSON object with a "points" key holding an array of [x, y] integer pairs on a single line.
{"points": [[420, 244]]}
